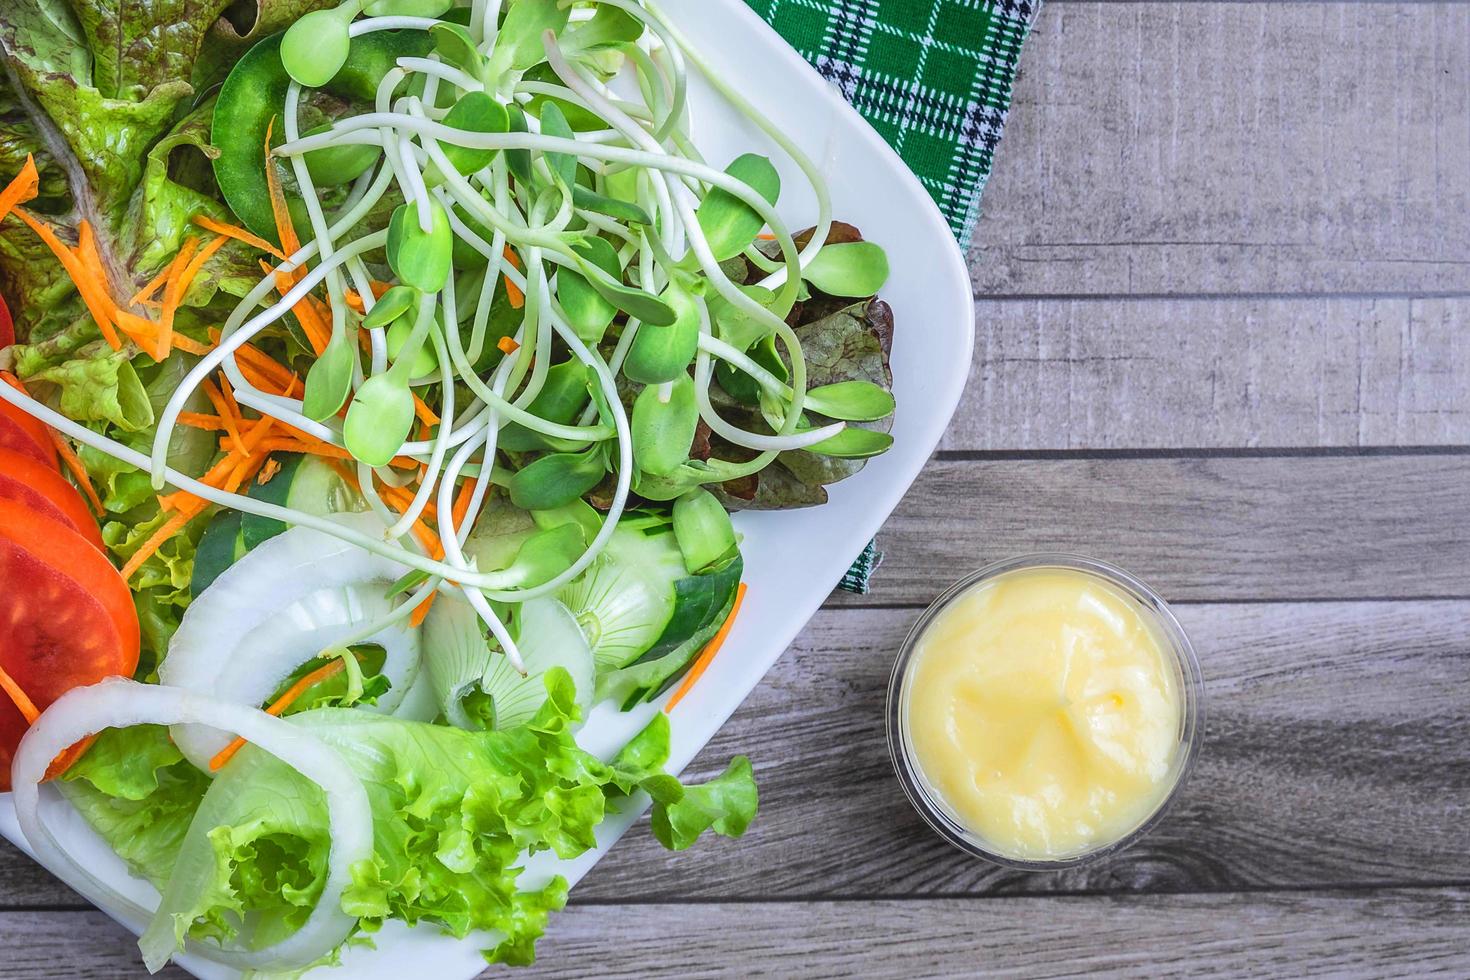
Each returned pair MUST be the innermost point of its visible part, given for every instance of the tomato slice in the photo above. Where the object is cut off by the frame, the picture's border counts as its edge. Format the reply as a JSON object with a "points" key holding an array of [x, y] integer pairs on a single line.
{"points": [[23, 432], [7, 327], [66, 617], [42, 489]]}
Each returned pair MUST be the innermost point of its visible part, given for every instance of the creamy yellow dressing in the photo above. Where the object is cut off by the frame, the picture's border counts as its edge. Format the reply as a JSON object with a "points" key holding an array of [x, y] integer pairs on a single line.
{"points": [[1043, 709]]}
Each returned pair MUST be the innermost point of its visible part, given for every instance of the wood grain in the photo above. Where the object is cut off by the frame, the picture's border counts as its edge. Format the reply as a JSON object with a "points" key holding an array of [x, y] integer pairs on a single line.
{"points": [[77, 945], [1391, 933], [1226, 372], [1234, 148], [1286, 527], [1417, 933]]}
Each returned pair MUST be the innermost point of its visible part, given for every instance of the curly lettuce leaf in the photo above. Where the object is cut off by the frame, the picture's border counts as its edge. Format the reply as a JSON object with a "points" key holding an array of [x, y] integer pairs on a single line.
{"points": [[455, 813], [137, 791]]}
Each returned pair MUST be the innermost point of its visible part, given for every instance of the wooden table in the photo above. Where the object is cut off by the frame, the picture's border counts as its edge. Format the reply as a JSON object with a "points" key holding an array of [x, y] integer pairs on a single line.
{"points": [[1223, 339]]}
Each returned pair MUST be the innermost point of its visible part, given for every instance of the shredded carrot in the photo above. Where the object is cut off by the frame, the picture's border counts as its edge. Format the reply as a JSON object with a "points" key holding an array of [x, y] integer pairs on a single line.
{"points": [[230, 419], [191, 346], [512, 291], [712, 648], [766, 236], [63, 448], [290, 244], [25, 186], [173, 288], [23, 703], [94, 292], [238, 234], [426, 414], [160, 537], [91, 262], [507, 345], [146, 293], [462, 500], [268, 471], [178, 288], [292, 695], [355, 301]]}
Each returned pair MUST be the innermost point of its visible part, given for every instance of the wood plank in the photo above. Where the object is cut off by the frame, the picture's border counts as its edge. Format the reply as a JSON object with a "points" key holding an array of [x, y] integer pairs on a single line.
{"points": [[1230, 147], [1393, 933], [1337, 752], [1404, 934], [71, 946], [1218, 528], [1382, 934], [1234, 372]]}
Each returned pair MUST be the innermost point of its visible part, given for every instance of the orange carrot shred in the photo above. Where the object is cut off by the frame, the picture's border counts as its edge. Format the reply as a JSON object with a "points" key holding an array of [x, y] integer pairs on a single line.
{"points": [[292, 695], [24, 187], [512, 291], [94, 294], [91, 263], [268, 471], [713, 647], [178, 288], [160, 537], [171, 297], [426, 414], [462, 500], [22, 701], [222, 407], [238, 234], [146, 293], [290, 244], [507, 345]]}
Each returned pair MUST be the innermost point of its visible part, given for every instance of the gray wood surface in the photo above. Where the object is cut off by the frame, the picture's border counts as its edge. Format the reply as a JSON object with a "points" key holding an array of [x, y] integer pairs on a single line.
{"points": [[1222, 285]]}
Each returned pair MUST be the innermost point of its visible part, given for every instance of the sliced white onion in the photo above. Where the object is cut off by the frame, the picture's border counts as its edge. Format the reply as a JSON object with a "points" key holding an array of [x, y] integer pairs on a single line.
{"points": [[292, 597], [120, 703]]}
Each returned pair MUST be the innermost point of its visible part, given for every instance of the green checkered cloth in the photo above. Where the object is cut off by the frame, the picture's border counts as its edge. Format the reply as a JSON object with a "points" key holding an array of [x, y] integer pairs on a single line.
{"points": [[934, 78]]}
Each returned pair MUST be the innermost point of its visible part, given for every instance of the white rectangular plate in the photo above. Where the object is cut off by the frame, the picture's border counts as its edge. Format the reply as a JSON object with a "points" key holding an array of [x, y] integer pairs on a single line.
{"points": [[793, 559]]}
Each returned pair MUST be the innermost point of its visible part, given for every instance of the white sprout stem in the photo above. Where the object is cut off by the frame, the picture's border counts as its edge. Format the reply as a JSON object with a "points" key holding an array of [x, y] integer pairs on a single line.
{"points": [[211, 362], [787, 440], [425, 492], [443, 72]]}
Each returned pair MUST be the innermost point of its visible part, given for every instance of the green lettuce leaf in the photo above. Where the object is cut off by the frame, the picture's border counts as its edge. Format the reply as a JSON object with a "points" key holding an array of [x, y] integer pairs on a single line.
{"points": [[137, 791], [454, 815]]}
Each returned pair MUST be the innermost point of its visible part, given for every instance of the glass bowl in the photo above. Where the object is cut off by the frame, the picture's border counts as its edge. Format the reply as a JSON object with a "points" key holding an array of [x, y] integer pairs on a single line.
{"points": [[1191, 726]]}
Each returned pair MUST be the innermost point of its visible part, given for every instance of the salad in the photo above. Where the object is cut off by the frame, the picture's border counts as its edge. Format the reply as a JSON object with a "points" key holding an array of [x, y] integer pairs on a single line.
{"points": [[378, 385]]}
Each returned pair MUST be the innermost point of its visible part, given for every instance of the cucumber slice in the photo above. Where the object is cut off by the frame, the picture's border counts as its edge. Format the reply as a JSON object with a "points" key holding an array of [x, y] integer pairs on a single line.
{"points": [[260, 529], [221, 546], [702, 605], [304, 483]]}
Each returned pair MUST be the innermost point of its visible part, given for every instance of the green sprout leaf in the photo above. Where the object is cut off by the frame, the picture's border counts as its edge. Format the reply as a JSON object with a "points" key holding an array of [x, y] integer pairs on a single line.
{"points": [[662, 353], [703, 529], [390, 306], [856, 269], [729, 223], [557, 479], [420, 259], [588, 312], [329, 381], [457, 47], [851, 401], [475, 112], [315, 48], [554, 123], [379, 419], [664, 427], [854, 443]]}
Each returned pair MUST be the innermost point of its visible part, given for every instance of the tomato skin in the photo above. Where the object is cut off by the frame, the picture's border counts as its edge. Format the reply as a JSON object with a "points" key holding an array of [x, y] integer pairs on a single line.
{"points": [[26, 433], [66, 617], [7, 326], [38, 486]]}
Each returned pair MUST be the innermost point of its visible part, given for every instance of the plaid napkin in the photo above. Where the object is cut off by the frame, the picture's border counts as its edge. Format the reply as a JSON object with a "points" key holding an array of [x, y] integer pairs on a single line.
{"points": [[934, 78]]}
